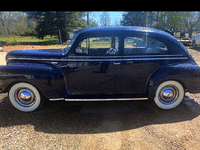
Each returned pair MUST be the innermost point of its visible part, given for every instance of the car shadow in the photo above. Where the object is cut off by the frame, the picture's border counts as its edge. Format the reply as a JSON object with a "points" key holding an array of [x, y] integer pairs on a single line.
{"points": [[95, 117]]}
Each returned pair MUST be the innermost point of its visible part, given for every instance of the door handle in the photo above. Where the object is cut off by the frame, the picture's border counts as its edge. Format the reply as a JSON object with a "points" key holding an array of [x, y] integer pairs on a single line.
{"points": [[116, 63]]}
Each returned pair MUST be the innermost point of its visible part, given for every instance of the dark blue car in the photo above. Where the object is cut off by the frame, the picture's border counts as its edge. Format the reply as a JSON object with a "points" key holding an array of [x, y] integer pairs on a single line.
{"points": [[103, 63]]}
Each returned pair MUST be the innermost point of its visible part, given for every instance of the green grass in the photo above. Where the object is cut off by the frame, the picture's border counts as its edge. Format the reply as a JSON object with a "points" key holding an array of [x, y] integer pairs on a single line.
{"points": [[98, 44], [20, 40]]}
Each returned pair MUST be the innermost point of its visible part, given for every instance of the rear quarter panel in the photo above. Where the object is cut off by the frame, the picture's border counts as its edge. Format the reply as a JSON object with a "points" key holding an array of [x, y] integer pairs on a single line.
{"points": [[188, 74]]}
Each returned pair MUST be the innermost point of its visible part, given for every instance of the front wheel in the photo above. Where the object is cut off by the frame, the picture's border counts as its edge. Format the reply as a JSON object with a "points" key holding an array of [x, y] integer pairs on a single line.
{"points": [[169, 94], [25, 97]]}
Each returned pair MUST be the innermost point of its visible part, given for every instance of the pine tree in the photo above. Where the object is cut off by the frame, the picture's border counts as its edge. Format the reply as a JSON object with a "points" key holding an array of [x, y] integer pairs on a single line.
{"points": [[56, 22]]}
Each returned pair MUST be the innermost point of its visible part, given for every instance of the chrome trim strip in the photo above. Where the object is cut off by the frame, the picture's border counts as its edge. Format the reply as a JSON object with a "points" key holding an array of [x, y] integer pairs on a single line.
{"points": [[100, 59], [38, 59], [127, 59], [74, 60], [92, 57], [56, 99], [114, 56], [110, 99], [178, 55], [172, 58]]}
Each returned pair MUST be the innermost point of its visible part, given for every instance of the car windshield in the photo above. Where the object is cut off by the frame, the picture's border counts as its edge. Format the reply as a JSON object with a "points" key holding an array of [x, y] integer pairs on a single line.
{"points": [[71, 43]]}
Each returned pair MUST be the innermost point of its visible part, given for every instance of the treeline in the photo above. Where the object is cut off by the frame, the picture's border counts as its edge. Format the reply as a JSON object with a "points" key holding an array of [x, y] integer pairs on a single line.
{"points": [[16, 23], [40, 24], [186, 21], [59, 23]]}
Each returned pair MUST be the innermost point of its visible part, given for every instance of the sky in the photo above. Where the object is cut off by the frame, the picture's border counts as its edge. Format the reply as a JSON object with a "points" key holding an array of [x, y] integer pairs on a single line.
{"points": [[114, 15]]}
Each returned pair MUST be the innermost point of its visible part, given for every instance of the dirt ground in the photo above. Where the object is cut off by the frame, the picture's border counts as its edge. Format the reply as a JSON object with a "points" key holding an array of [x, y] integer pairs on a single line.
{"points": [[102, 125]]}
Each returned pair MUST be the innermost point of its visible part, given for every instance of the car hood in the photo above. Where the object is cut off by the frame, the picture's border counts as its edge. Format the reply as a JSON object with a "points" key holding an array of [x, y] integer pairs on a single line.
{"points": [[40, 53]]}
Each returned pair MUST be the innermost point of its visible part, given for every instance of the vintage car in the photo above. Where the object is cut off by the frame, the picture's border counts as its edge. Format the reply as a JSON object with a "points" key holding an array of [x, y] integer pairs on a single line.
{"points": [[103, 63]]}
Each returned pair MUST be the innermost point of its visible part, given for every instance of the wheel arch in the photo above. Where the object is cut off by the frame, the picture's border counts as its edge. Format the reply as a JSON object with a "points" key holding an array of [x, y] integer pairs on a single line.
{"points": [[20, 81], [152, 91], [165, 73]]}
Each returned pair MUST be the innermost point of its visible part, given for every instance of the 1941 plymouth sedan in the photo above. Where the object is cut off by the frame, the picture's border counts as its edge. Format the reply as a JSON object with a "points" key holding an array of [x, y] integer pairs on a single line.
{"points": [[103, 63]]}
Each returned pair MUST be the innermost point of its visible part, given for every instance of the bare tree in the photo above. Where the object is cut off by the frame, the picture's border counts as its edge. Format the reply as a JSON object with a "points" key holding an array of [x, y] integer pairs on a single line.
{"points": [[191, 19], [105, 19], [15, 23], [3, 24]]}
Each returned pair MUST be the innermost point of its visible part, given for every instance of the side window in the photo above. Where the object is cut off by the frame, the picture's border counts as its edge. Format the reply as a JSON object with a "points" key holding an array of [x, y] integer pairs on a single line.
{"points": [[134, 42], [144, 46], [95, 46]]}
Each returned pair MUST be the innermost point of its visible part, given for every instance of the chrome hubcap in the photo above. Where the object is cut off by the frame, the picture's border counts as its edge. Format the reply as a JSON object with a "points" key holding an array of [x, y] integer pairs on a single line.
{"points": [[24, 97], [168, 94]]}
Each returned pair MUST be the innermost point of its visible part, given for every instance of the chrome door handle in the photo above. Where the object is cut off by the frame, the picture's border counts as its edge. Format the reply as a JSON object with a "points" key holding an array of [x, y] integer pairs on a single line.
{"points": [[117, 63]]}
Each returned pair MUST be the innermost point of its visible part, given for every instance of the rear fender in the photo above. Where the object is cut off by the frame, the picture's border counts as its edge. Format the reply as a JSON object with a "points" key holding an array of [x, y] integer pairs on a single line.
{"points": [[48, 79], [186, 74]]}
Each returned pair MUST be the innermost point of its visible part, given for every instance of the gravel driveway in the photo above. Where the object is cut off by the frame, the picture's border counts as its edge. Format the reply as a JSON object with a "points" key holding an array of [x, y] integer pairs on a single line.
{"points": [[102, 125]]}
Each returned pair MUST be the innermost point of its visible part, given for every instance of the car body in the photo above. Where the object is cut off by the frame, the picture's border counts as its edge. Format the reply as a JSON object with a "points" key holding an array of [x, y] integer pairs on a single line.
{"points": [[103, 63]]}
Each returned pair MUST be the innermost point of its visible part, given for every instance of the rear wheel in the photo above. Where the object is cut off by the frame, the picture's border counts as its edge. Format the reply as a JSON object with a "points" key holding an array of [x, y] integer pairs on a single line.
{"points": [[169, 94], [25, 97]]}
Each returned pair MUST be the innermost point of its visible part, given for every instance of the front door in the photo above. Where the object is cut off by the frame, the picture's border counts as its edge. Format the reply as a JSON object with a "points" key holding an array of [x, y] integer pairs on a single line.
{"points": [[94, 67]]}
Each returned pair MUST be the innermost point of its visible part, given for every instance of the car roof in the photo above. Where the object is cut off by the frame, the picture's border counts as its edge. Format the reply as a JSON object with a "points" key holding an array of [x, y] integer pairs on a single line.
{"points": [[123, 28]]}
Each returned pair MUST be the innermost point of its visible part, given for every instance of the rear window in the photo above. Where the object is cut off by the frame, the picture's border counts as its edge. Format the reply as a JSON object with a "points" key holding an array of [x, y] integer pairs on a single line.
{"points": [[151, 45], [144, 46]]}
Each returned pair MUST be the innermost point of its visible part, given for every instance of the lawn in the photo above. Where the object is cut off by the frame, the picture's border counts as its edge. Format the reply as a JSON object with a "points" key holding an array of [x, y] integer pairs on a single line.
{"points": [[28, 40]]}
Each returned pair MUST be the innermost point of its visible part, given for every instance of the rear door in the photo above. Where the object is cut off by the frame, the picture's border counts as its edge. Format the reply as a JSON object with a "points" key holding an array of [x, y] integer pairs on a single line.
{"points": [[141, 57], [94, 66]]}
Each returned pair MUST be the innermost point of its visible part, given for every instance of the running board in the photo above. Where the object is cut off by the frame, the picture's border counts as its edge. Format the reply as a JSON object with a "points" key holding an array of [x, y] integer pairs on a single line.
{"points": [[97, 99]]}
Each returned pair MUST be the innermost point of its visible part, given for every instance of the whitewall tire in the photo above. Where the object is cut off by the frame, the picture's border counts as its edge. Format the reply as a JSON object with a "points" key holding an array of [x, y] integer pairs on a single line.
{"points": [[169, 95], [25, 97]]}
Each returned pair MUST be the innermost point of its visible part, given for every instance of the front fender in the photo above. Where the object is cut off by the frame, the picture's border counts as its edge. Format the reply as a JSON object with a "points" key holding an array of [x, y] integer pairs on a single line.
{"points": [[48, 79], [186, 74]]}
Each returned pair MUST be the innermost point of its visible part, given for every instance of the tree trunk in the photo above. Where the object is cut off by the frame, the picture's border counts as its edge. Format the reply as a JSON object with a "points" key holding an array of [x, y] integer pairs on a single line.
{"points": [[190, 32], [62, 33]]}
